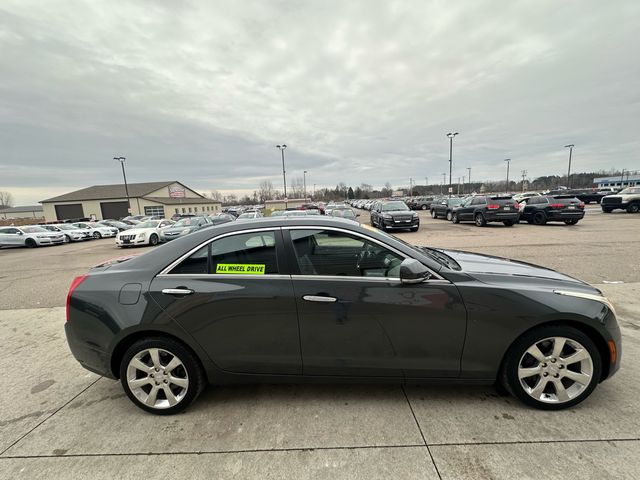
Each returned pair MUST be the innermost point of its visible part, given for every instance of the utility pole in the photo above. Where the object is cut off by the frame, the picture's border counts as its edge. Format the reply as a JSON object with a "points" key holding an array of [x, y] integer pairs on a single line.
{"points": [[314, 190], [570, 147], [469, 179], [463, 178], [622, 178], [304, 182], [284, 173], [126, 188], [451, 135], [458, 185], [411, 187], [508, 160], [524, 176]]}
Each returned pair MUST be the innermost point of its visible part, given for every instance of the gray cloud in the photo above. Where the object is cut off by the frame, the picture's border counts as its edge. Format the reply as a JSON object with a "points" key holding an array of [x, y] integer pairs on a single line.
{"points": [[360, 91]]}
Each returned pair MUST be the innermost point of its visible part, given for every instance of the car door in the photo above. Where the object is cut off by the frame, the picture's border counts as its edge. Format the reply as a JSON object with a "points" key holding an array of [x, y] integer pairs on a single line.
{"points": [[357, 318], [232, 297], [12, 236], [476, 204]]}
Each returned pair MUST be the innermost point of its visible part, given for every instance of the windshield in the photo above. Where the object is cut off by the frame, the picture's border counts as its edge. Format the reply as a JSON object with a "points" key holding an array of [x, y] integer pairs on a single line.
{"points": [[455, 202], [34, 229], [247, 215], [187, 222], [394, 207], [66, 227], [148, 224], [630, 190]]}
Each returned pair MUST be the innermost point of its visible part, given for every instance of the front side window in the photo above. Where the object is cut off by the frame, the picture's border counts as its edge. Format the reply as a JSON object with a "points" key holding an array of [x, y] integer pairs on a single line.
{"points": [[333, 253], [246, 253]]}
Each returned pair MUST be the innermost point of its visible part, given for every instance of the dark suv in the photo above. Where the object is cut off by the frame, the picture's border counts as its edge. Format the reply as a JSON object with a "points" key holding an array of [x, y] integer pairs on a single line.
{"points": [[394, 214], [420, 203], [444, 207], [556, 208], [484, 209]]}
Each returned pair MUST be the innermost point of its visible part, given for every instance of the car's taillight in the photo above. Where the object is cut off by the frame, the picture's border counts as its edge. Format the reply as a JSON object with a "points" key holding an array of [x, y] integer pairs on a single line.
{"points": [[516, 206], [557, 205], [493, 206], [74, 284], [581, 205]]}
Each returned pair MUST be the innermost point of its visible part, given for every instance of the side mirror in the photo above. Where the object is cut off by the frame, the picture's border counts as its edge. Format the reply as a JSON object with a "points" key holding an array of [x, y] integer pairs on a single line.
{"points": [[412, 271], [20, 233]]}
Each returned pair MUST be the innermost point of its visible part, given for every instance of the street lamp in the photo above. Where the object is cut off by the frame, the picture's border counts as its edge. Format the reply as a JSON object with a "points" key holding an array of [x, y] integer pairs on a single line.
{"points": [[304, 182], [508, 160], [451, 135], [444, 180], [570, 147], [284, 173], [124, 175]]}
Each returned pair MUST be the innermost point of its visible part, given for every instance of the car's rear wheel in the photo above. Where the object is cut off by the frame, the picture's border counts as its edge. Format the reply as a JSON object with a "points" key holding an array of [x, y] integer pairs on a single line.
{"points": [[540, 218], [434, 214], [153, 240], [571, 221], [509, 223], [449, 216], [607, 210], [480, 220], [552, 367], [633, 208], [97, 235], [161, 376], [454, 218], [31, 243]]}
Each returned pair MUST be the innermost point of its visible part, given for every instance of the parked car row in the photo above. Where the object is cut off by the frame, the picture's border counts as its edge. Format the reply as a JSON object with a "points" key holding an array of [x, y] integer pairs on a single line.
{"points": [[53, 234]]}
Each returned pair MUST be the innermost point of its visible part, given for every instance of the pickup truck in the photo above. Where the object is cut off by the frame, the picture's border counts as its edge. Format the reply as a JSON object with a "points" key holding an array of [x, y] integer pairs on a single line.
{"points": [[627, 199]]}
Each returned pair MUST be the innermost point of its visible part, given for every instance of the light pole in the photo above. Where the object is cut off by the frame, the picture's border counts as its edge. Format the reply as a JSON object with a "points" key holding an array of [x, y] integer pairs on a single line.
{"points": [[524, 176], [570, 147], [622, 179], [508, 160], [126, 187], [284, 173], [314, 190], [451, 135], [411, 187], [304, 182], [469, 179]]}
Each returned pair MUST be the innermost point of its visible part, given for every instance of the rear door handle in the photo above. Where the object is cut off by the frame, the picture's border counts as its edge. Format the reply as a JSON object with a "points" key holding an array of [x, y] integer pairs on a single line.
{"points": [[177, 291], [319, 298]]}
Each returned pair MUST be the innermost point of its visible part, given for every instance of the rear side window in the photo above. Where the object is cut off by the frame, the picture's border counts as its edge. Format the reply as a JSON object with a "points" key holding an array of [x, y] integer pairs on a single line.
{"points": [[478, 201], [247, 253]]}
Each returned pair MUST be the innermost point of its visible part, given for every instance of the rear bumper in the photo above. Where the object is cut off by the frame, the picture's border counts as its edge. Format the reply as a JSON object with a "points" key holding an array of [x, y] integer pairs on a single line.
{"points": [[91, 358], [490, 216], [561, 216]]}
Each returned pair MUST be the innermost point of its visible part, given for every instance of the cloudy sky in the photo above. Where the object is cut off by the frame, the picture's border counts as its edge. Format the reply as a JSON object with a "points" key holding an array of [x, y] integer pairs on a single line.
{"points": [[361, 91]]}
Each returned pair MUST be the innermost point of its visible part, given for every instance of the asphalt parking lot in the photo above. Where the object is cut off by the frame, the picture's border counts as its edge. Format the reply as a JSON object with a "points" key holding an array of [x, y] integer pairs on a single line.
{"points": [[59, 421]]}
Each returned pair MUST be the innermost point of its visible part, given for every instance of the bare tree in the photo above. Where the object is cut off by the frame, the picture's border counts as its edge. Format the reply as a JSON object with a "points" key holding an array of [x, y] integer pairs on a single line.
{"points": [[265, 191], [6, 199], [297, 187], [214, 195]]}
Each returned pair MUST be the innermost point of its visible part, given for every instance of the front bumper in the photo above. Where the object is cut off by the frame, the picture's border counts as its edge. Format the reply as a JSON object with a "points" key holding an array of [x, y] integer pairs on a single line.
{"points": [[130, 243], [401, 224]]}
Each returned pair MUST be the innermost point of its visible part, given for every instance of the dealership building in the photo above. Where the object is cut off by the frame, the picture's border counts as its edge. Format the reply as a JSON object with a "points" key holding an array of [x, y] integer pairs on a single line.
{"points": [[31, 211], [110, 202], [618, 181]]}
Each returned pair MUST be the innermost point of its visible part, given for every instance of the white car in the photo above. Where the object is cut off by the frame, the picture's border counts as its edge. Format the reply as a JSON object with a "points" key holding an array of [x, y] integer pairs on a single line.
{"points": [[28, 236], [71, 233], [97, 230], [145, 233]]}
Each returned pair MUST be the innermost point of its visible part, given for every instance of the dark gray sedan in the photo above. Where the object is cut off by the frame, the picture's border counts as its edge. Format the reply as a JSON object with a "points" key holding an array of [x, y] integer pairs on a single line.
{"points": [[311, 298]]}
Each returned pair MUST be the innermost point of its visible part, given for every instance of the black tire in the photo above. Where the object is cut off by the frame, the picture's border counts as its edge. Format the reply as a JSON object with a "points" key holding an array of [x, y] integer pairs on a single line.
{"points": [[454, 218], [449, 215], [573, 221], [194, 372], [153, 240], [480, 220], [414, 229], [434, 214], [606, 210], [509, 372], [633, 208], [509, 223], [30, 243], [97, 235], [540, 218], [67, 239], [530, 222]]}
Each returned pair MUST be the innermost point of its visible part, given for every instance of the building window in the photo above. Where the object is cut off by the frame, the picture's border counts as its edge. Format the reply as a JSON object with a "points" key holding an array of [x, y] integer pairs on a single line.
{"points": [[177, 210], [155, 210], [189, 209], [183, 210], [195, 209]]}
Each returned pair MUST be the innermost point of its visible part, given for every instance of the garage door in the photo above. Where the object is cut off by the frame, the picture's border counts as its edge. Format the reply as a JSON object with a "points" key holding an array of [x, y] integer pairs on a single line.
{"points": [[66, 212], [114, 210]]}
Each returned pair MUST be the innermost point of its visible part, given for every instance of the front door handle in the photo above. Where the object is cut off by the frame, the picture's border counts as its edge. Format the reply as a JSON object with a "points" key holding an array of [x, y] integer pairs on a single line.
{"points": [[319, 298], [177, 291]]}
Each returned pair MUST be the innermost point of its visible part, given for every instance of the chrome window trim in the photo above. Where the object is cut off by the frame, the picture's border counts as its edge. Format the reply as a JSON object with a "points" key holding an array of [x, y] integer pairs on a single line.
{"points": [[271, 276]]}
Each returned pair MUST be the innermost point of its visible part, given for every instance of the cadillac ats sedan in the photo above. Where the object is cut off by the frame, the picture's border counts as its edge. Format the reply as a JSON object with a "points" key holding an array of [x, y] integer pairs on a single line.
{"points": [[322, 299]]}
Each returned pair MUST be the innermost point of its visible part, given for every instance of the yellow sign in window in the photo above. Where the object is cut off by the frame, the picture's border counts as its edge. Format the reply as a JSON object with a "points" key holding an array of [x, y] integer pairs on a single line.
{"points": [[240, 268]]}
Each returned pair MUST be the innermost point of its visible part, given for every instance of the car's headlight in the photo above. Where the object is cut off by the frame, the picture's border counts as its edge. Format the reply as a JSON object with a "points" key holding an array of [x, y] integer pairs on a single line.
{"points": [[588, 296], [142, 236], [186, 230], [386, 216]]}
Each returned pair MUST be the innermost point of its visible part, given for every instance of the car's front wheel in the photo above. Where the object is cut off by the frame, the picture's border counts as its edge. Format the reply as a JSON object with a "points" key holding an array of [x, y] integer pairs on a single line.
{"points": [[161, 375], [552, 367], [434, 214], [449, 215], [480, 220], [633, 208], [454, 218], [153, 240], [97, 235]]}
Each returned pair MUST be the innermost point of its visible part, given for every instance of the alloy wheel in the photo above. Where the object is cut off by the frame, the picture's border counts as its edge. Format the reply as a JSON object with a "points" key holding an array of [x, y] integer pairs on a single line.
{"points": [[555, 370], [449, 216], [157, 378]]}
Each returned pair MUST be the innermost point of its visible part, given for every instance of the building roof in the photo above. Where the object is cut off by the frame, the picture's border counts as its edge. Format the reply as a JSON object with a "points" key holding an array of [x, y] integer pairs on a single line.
{"points": [[180, 201], [102, 192], [617, 178], [28, 208]]}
